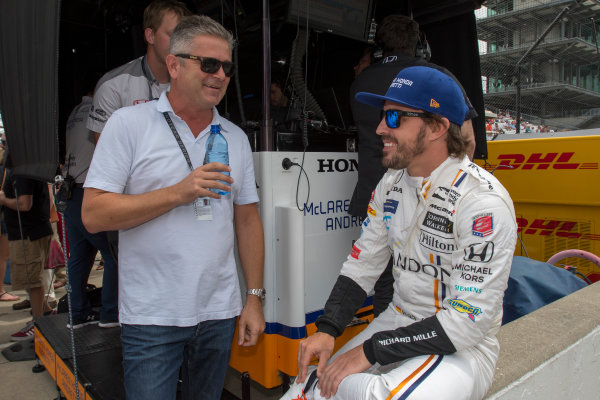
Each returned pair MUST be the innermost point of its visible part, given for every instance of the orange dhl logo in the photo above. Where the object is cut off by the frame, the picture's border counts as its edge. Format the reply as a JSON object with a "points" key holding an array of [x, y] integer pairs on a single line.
{"points": [[548, 227], [539, 161]]}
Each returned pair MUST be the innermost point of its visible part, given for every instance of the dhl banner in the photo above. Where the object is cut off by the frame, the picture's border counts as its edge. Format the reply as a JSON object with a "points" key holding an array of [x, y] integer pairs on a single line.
{"points": [[553, 182]]}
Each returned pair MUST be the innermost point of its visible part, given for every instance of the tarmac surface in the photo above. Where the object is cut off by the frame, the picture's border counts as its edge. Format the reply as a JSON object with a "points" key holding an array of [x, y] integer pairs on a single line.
{"points": [[20, 383]]}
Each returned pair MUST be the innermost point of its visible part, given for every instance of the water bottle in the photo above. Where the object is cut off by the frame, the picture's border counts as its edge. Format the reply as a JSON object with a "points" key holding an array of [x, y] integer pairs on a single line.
{"points": [[217, 151]]}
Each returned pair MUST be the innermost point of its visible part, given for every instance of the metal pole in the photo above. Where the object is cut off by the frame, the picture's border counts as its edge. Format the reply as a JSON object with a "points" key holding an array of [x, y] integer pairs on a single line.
{"points": [[595, 35], [518, 64], [266, 126], [518, 106]]}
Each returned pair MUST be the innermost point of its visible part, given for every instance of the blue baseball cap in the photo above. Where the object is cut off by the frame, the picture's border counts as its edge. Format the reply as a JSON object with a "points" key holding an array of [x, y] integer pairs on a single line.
{"points": [[425, 89]]}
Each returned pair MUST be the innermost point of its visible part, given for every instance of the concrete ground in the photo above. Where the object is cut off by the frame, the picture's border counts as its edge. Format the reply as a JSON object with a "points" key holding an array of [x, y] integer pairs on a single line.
{"points": [[19, 382]]}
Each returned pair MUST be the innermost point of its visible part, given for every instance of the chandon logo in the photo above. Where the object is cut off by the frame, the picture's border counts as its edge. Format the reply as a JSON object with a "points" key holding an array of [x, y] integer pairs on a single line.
{"points": [[412, 265]]}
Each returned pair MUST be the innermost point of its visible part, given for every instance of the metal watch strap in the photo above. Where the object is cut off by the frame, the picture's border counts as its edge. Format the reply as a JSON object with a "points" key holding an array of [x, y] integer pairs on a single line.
{"points": [[257, 292]]}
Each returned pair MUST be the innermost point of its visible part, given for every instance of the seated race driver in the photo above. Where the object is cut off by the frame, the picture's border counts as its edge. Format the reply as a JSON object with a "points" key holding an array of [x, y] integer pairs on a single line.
{"points": [[450, 228]]}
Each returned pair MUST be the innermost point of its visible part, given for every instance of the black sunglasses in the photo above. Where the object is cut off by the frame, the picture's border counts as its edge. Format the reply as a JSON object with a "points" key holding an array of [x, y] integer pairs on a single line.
{"points": [[211, 65], [393, 117]]}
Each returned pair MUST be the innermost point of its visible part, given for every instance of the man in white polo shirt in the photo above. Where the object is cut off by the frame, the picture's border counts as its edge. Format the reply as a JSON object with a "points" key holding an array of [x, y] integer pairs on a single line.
{"points": [[140, 183]]}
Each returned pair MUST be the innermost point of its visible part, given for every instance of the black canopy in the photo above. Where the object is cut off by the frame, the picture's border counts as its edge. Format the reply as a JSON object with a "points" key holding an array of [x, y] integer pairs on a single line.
{"points": [[28, 82]]}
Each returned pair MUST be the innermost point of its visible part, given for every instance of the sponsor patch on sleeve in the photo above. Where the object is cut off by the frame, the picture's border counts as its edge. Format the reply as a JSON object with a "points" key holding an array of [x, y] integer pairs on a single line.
{"points": [[390, 206], [355, 252], [483, 225], [366, 222], [464, 307], [480, 252], [372, 196], [371, 211], [388, 221]]}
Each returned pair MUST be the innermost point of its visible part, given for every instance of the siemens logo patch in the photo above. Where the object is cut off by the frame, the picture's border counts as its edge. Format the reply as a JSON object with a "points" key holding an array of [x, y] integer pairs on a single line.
{"points": [[438, 223], [467, 289]]}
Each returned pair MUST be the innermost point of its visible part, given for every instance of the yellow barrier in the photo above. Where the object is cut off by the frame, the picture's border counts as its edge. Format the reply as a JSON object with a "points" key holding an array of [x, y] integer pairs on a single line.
{"points": [[553, 182]]}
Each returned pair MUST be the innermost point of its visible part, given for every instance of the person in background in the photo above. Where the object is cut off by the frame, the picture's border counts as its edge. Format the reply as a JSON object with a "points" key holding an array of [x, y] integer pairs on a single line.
{"points": [[4, 254], [450, 229], [144, 78], [279, 102], [83, 246], [145, 180], [27, 214], [4, 295], [59, 276], [140, 80], [364, 61]]}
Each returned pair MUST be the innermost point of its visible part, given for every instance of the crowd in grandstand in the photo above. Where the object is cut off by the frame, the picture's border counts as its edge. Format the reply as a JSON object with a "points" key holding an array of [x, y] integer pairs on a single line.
{"points": [[504, 123]]}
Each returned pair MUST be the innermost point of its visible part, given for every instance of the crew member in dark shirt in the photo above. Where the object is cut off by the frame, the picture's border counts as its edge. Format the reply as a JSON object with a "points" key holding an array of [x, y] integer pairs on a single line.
{"points": [[28, 200]]}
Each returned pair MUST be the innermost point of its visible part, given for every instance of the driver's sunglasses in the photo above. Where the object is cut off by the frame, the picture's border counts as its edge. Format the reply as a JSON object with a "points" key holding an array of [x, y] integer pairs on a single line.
{"points": [[393, 117], [211, 65]]}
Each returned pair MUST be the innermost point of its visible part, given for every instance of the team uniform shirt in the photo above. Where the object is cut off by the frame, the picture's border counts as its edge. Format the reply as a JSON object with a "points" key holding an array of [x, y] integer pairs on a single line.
{"points": [[451, 237], [127, 85], [80, 142], [377, 78], [173, 270]]}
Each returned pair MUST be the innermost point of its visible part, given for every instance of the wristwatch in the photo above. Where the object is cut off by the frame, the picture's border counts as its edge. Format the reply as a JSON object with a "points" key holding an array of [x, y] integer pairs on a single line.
{"points": [[257, 292]]}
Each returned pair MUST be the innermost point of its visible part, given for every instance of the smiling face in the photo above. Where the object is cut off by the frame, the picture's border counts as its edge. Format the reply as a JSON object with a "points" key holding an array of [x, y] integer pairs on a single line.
{"points": [[402, 146], [200, 89]]}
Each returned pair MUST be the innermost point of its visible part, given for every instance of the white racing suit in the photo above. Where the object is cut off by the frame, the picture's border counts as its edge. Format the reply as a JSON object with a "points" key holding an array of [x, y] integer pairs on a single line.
{"points": [[452, 239]]}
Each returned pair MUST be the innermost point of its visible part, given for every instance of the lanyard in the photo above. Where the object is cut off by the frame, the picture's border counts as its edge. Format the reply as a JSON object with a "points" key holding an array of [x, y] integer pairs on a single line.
{"points": [[183, 150], [179, 141]]}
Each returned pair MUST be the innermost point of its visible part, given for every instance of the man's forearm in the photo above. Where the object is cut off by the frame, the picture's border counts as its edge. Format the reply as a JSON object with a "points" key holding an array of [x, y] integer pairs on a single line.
{"points": [[345, 298], [24, 204], [251, 244], [107, 211], [423, 337]]}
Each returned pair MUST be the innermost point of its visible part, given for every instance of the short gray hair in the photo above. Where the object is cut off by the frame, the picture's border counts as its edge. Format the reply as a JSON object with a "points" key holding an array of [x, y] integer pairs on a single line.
{"points": [[190, 27]]}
